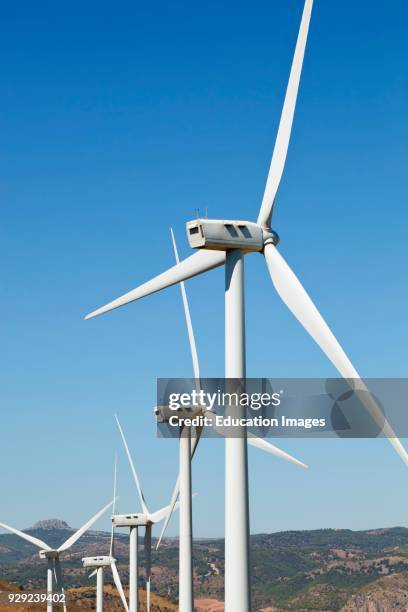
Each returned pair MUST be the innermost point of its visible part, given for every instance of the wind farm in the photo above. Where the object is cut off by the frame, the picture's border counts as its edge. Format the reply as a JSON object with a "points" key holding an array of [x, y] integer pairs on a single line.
{"points": [[226, 242], [284, 124], [52, 556]]}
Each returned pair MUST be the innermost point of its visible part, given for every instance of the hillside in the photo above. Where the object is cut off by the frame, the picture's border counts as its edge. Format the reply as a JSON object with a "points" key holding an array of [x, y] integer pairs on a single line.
{"points": [[317, 570], [82, 599]]}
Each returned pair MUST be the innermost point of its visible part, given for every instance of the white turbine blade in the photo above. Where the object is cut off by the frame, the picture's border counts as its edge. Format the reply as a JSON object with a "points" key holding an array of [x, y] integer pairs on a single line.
{"points": [[118, 584], [113, 505], [192, 266], [173, 501], [159, 515], [299, 303], [191, 338], [58, 574], [193, 346], [58, 580], [195, 440], [148, 557], [68, 543], [115, 470], [93, 573], [133, 469], [258, 442], [26, 536], [273, 450], [169, 510], [286, 121]]}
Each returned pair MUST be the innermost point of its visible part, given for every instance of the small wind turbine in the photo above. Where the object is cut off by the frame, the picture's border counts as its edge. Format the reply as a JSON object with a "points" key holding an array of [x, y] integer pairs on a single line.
{"points": [[53, 555], [226, 242], [108, 561], [134, 521], [183, 488]]}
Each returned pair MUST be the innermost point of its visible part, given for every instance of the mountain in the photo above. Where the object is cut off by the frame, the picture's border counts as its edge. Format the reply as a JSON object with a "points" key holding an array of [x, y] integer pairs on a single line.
{"points": [[50, 524], [320, 570]]}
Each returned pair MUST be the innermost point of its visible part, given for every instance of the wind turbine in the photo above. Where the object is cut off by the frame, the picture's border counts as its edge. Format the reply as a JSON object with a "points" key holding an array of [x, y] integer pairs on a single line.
{"points": [[226, 242], [134, 521], [53, 554], [183, 488], [108, 561]]}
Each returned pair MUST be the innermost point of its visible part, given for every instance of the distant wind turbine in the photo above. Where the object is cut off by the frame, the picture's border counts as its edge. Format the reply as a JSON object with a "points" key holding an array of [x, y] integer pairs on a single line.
{"points": [[53, 554], [134, 521], [183, 488], [107, 561]]}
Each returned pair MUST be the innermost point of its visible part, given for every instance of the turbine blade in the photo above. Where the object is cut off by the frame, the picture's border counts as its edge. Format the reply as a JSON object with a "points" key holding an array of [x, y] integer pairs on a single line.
{"points": [[195, 439], [260, 443], [113, 505], [58, 580], [159, 515], [299, 303], [286, 121], [115, 471], [192, 266], [133, 469], [57, 574], [148, 557], [71, 540], [191, 338], [273, 450], [93, 573], [193, 346], [26, 536], [118, 584], [168, 511]]}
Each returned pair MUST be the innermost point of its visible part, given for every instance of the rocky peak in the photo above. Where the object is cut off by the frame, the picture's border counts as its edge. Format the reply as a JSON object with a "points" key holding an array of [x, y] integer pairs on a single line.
{"points": [[50, 524]]}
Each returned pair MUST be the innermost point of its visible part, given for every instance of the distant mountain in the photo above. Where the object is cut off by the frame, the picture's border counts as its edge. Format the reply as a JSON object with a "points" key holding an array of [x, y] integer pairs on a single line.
{"points": [[50, 524], [320, 570]]}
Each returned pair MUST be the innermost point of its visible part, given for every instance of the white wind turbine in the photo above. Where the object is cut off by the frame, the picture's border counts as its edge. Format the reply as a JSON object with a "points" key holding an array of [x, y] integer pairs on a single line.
{"points": [[134, 521], [108, 561], [225, 242], [183, 488], [53, 554]]}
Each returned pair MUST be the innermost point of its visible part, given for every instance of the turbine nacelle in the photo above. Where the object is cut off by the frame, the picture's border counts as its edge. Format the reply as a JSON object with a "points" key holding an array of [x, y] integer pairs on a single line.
{"points": [[101, 561], [131, 520], [163, 413], [223, 235], [49, 554]]}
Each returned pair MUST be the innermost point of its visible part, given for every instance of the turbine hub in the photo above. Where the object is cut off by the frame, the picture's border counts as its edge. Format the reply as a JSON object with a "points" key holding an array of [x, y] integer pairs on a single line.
{"points": [[270, 237]]}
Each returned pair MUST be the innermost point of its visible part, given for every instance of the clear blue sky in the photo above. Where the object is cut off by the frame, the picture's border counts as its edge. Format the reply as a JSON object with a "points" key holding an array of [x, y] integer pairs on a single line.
{"points": [[120, 119]]}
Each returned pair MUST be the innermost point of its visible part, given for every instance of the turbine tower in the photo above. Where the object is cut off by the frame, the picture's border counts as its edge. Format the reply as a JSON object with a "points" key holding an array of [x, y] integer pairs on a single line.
{"points": [[53, 555], [108, 561], [227, 242], [135, 521]]}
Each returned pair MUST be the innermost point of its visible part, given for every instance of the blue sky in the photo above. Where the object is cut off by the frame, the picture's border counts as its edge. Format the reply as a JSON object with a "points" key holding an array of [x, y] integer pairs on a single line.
{"points": [[119, 120]]}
